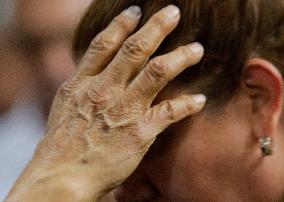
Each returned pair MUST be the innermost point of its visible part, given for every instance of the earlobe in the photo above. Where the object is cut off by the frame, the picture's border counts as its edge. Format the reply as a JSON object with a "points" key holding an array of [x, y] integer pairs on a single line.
{"points": [[263, 83]]}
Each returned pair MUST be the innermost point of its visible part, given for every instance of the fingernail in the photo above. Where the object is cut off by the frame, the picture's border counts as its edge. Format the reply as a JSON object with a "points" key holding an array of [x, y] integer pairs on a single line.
{"points": [[199, 99], [196, 48], [133, 12], [172, 11]]}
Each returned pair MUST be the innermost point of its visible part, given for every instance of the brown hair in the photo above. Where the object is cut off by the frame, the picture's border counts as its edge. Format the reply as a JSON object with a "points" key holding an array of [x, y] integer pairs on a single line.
{"points": [[230, 30]]}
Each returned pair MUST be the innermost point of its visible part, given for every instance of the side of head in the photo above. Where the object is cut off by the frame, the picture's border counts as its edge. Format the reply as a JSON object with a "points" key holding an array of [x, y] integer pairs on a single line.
{"points": [[216, 153]]}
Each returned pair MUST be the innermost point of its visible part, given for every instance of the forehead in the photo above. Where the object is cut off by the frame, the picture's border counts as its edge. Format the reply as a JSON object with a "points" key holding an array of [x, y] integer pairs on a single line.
{"points": [[46, 16]]}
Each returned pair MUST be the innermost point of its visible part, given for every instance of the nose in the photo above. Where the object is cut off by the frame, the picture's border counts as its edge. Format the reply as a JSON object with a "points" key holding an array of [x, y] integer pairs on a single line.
{"points": [[135, 188]]}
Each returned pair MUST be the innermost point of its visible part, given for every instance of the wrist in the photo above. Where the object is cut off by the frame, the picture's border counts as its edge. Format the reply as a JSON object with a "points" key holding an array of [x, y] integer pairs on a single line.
{"points": [[55, 185]]}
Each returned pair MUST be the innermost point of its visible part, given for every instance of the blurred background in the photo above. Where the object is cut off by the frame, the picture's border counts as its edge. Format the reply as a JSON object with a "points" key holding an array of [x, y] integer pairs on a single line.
{"points": [[35, 59]]}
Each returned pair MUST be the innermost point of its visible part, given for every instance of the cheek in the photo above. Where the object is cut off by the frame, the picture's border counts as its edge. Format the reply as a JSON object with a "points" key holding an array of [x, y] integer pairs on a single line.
{"points": [[207, 161], [195, 156], [179, 164], [195, 159]]}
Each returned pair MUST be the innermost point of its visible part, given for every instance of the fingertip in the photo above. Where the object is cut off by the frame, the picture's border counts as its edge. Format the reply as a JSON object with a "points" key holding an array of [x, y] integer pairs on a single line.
{"points": [[133, 12], [199, 99], [194, 103], [197, 48], [199, 102], [171, 11], [195, 52]]}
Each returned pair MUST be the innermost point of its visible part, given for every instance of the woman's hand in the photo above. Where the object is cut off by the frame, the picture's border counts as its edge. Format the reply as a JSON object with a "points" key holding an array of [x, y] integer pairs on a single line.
{"points": [[102, 123]]}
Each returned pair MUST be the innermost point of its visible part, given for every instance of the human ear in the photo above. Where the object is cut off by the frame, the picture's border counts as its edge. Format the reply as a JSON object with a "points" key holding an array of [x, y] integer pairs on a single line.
{"points": [[263, 83]]}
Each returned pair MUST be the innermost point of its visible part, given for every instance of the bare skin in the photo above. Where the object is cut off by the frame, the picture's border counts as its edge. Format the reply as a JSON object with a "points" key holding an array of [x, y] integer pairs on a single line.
{"points": [[102, 122]]}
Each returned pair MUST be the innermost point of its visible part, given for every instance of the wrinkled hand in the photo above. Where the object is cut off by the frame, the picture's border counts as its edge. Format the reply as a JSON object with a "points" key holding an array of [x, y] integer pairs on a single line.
{"points": [[102, 123]]}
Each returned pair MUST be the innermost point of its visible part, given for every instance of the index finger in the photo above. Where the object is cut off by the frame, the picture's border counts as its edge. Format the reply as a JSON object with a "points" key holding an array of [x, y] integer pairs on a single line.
{"points": [[105, 45]]}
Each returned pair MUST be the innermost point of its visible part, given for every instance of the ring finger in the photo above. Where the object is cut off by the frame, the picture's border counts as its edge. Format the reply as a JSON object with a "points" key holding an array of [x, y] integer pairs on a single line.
{"points": [[137, 49], [160, 70]]}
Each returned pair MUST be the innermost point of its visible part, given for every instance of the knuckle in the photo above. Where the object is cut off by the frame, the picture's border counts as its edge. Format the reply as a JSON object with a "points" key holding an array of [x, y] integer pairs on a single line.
{"points": [[65, 90], [157, 70], [168, 110], [96, 97], [136, 46], [102, 42]]}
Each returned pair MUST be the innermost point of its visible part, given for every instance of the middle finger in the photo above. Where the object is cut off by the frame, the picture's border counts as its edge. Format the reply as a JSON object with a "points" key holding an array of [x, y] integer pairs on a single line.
{"points": [[139, 47]]}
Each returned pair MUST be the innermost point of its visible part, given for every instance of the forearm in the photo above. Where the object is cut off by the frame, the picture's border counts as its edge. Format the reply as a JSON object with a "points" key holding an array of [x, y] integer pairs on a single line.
{"points": [[54, 185]]}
